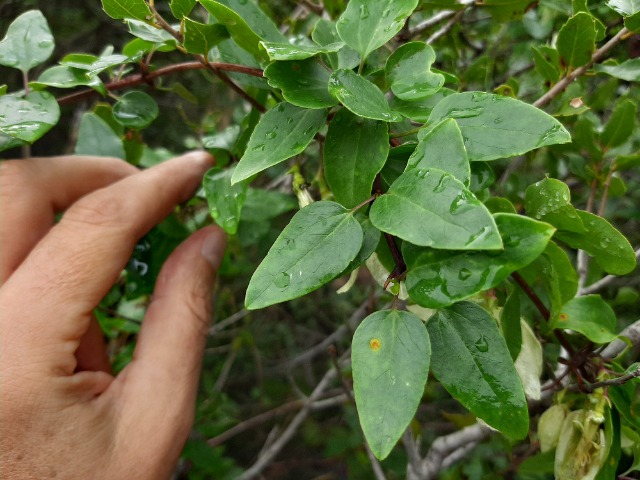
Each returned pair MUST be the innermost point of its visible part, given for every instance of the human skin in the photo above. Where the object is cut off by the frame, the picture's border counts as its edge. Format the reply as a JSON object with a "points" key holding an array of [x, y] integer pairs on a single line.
{"points": [[62, 413]]}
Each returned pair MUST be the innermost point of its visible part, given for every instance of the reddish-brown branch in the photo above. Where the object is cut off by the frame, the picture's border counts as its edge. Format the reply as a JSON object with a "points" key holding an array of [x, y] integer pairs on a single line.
{"points": [[544, 311], [137, 79]]}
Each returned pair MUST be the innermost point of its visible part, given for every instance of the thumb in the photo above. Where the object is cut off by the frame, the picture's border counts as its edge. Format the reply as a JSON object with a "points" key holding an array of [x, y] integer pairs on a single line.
{"points": [[160, 384]]}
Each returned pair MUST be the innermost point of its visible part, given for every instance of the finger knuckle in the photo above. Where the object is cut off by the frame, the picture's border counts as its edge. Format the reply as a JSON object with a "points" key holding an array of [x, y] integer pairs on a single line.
{"points": [[98, 210]]}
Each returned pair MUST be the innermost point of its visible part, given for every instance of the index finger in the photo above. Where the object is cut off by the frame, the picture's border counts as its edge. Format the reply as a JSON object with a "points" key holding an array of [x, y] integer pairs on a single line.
{"points": [[68, 273]]}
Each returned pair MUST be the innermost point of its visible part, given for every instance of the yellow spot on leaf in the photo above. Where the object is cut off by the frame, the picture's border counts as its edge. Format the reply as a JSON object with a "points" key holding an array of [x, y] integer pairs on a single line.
{"points": [[563, 317], [374, 344]]}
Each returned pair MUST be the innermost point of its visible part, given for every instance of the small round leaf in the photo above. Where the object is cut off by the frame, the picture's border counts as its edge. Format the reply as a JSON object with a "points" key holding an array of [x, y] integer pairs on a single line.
{"points": [[135, 110]]}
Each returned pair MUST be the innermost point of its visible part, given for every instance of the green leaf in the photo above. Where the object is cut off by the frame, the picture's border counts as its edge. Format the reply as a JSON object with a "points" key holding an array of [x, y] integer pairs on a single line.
{"points": [[495, 127], [440, 278], [549, 68], [135, 110], [408, 71], [360, 96], [181, 8], [150, 33], [225, 200], [510, 324], [239, 30], [230, 52], [471, 360], [284, 131], [432, 209], [612, 440], [28, 118], [549, 200], [443, 148], [529, 363], [257, 20], [603, 242], [318, 244], [303, 83], [263, 204], [577, 39], [370, 241], [28, 42], [7, 142], [621, 124], [630, 10], [119, 9], [325, 33], [624, 398], [506, 10], [61, 76], [94, 65], [289, 51], [555, 272], [419, 110], [95, 137], [588, 315], [366, 25], [202, 37], [354, 153], [390, 361], [628, 70]]}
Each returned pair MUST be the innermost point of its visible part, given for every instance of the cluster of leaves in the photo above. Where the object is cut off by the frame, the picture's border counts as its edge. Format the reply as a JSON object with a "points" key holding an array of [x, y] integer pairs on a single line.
{"points": [[406, 190]]}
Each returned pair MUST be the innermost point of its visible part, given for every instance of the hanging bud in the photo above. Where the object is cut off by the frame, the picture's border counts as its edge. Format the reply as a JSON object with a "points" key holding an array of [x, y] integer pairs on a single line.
{"points": [[549, 427], [581, 447]]}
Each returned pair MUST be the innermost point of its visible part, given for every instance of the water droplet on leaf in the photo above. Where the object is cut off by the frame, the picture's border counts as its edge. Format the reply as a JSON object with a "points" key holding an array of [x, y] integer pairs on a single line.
{"points": [[282, 280], [482, 345], [464, 273]]}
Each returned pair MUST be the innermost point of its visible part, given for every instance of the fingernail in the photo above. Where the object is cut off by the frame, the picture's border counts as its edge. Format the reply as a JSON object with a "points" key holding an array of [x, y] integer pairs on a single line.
{"points": [[213, 248], [204, 159]]}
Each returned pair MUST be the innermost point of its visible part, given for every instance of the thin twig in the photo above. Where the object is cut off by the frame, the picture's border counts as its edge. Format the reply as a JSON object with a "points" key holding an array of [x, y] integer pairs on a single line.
{"points": [[434, 20], [137, 79], [447, 448], [604, 281], [590, 387], [253, 422], [222, 324], [632, 332], [566, 81], [533, 296], [349, 326], [445, 28], [268, 454], [375, 464]]}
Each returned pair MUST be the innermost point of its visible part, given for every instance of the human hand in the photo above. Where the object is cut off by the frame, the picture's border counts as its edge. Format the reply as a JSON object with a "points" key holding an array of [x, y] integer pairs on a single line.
{"points": [[63, 414]]}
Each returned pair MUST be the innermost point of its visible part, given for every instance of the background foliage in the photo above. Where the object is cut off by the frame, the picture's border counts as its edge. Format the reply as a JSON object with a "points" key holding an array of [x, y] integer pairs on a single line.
{"points": [[400, 137]]}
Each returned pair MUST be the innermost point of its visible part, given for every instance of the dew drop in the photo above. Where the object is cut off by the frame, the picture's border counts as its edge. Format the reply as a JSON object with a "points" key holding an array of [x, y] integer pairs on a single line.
{"points": [[290, 243], [282, 280], [364, 12], [309, 130], [422, 173], [512, 241], [441, 184], [465, 112], [460, 204], [464, 273], [229, 223], [259, 147], [481, 344], [481, 235], [271, 134]]}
